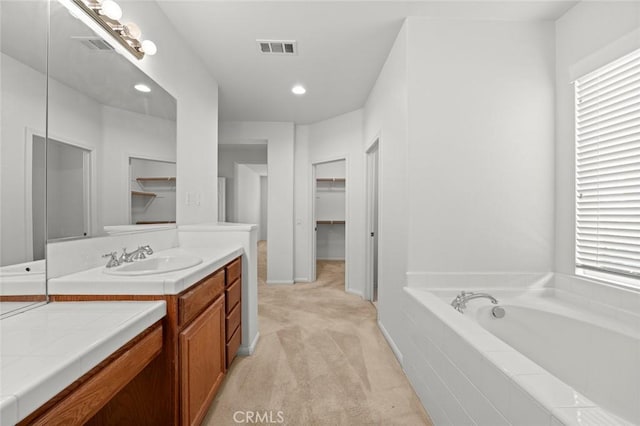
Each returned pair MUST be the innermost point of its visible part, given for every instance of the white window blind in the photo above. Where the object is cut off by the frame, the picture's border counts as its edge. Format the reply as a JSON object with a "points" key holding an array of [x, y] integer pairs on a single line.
{"points": [[608, 168]]}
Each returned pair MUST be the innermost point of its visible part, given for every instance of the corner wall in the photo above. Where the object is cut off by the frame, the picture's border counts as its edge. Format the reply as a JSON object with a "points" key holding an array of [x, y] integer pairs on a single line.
{"points": [[386, 118], [333, 139], [481, 146]]}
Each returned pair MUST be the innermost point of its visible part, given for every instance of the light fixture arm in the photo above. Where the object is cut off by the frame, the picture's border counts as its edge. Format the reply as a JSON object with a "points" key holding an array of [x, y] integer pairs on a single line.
{"points": [[119, 31]]}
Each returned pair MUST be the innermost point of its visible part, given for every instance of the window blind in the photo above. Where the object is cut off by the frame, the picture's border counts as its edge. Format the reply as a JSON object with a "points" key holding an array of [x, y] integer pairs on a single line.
{"points": [[608, 168]]}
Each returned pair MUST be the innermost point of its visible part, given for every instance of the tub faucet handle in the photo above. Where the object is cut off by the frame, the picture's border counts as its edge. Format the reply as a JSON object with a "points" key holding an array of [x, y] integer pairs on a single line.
{"points": [[113, 259]]}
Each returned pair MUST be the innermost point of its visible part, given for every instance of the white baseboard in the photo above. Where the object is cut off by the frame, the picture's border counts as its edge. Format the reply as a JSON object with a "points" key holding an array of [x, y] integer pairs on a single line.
{"points": [[244, 350], [356, 292], [391, 343], [331, 258], [302, 280], [271, 282]]}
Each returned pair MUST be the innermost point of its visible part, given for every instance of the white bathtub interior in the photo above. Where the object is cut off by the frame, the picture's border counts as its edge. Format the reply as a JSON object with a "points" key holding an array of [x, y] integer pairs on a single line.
{"points": [[573, 336]]}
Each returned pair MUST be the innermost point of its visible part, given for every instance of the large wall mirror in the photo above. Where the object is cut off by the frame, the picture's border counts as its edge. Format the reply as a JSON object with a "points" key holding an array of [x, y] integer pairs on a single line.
{"points": [[88, 140]]}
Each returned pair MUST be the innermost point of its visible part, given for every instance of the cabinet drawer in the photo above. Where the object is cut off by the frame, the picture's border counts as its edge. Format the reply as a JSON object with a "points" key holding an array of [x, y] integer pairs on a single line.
{"points": [[232, 293], [233, 345], [232, 322], [234, 269], [193, 302]]}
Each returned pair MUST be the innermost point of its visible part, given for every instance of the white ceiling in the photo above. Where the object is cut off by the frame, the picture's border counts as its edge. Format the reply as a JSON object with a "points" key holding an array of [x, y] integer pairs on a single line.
{"points": [[342, 47]]}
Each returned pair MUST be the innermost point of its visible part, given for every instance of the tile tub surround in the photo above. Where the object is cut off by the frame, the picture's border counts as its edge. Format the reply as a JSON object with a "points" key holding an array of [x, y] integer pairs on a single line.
{"points": [[95, 282], [466, 375], [46, 349]]}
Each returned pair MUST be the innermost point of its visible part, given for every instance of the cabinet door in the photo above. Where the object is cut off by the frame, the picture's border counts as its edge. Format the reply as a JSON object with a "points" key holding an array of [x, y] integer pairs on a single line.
{"points": [[202, 359]]}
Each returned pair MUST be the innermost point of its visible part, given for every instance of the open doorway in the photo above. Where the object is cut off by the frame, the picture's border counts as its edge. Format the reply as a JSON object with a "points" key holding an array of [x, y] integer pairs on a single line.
{"points": [[329, 210], [372, 222]]}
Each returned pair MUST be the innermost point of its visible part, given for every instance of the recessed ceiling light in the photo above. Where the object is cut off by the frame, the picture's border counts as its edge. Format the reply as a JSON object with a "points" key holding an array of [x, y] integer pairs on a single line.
{"points": [[142, 88], [298, 90]]}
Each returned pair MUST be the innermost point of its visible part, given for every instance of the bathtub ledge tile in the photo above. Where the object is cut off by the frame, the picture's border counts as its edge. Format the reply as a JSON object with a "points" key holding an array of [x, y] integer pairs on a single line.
{"points": [[586, 416], [513, 363], [551, 392]]}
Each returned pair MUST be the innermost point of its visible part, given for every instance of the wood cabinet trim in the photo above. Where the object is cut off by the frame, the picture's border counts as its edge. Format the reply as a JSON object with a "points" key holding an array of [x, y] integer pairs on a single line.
{"points": [[81, 400], [234, 270], [195, 300], [233, 294]]}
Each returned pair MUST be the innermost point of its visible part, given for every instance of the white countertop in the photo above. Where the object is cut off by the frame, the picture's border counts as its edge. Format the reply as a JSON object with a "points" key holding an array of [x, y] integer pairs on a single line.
{"points": [[95, 281], [45, 349]]}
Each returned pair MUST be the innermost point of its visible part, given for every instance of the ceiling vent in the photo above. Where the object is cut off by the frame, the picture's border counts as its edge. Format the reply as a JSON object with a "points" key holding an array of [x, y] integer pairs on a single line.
{"points": [[278, 47], [94, 43]]}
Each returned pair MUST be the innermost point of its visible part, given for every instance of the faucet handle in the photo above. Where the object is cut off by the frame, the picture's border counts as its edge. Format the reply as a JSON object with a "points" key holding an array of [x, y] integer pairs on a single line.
{"points": [[113, 259], [147, 249]]}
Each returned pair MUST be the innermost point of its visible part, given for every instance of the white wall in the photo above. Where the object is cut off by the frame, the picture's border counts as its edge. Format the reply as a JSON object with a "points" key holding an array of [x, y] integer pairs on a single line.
{"points": [[336, 138], [280, 152], [73, 117], [385, 117], [264, 208], [590, 35], [248, 198], [228, 155], [162, 207], [183, 74], [480, 146]]}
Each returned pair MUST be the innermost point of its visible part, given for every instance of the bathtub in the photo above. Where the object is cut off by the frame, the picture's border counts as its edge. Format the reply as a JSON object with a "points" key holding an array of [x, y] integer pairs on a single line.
{"points": [[558, 356]]}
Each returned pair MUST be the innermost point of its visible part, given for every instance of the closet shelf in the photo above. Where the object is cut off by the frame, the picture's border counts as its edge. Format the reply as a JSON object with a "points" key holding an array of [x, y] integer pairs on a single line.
{"points": [[331, 222], [156, 179], [331, 179], [144, 194]]}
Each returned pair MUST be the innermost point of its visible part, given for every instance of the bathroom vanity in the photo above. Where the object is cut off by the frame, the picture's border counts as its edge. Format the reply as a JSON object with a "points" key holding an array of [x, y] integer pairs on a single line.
{"points": [[202, 332]]}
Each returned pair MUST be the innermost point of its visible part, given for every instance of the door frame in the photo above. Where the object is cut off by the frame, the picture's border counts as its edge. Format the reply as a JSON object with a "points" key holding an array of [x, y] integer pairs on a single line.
{"points": [[312, 215], [90, 185], [375, 146]]}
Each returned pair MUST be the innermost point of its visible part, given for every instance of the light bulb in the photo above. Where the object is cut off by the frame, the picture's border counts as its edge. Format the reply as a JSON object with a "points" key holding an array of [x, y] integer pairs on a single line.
{"points": [[298, 90], [149, 47], [132, 30], [111, 10], [142, 88]]}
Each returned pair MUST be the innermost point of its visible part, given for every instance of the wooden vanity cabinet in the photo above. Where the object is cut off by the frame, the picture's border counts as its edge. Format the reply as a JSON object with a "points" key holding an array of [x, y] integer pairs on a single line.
{"points": [[202, 362], [178, 387]]}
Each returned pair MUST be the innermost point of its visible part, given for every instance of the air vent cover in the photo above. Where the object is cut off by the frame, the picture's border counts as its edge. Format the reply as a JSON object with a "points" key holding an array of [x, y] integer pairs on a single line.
{"points": [[278, 47], [94, 43]]}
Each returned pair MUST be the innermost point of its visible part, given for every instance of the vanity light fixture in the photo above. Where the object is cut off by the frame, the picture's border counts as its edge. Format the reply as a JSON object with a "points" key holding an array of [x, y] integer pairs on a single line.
{"points": [[142, 88], [298, 90], [107, 14]]}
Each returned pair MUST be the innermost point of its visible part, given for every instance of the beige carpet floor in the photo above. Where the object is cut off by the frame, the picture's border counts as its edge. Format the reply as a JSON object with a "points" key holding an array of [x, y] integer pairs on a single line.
{"points": [[320, 360]]}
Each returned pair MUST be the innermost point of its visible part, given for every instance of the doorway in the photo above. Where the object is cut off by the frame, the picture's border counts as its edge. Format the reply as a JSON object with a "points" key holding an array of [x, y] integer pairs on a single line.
{"points": [[329, 218], [67, 188], [372, 221]]}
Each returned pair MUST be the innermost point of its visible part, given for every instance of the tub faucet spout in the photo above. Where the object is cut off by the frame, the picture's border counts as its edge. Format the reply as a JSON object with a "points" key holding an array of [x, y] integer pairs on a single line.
{"points": [[460, 301]]}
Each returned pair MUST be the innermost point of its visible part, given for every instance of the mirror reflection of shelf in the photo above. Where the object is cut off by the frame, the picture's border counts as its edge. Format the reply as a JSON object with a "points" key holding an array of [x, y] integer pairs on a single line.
{"points": [[331, 222], [159, 222], [168, 182]]}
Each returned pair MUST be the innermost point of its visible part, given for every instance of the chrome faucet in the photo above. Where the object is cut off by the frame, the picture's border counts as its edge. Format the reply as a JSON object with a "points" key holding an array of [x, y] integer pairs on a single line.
{"points": [[113, 259], [139, 254], [460, 302]]}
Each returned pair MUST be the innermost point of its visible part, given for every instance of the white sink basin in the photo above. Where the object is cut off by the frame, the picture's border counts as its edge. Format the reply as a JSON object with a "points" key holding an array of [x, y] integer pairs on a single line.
{"points": [[155, 265]]}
